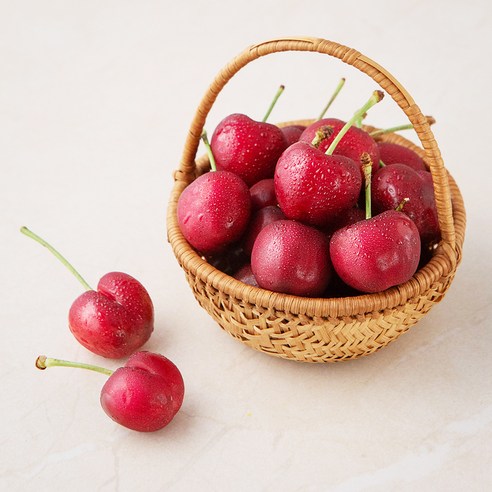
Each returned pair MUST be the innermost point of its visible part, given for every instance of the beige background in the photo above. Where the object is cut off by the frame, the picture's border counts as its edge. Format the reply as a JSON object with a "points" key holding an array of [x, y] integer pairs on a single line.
{"points": [[95, 102]]}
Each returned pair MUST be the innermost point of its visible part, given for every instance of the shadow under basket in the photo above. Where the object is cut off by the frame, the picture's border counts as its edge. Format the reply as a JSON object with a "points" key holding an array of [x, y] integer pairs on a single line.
{"points": [[321, 329]]}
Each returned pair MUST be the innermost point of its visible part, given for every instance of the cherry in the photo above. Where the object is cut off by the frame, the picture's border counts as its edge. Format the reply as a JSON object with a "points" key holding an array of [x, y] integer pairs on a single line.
{"points": [[292, 258], [314, 187], [375, 254], [144, 395], [392, 153], [245, 275], [292, 133], [347, 217], [113, 321], [263, 194], [247, 147], [261, 218], [352, 145], [213, 211], [393, 183], [379, 252], [229, 260]]}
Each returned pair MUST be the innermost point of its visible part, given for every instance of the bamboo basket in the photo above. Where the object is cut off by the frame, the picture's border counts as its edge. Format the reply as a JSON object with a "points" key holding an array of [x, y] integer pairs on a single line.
{"points": [[321, 329]]}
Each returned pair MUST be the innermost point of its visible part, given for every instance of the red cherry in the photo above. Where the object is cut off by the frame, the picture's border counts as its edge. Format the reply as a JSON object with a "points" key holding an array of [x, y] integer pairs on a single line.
{"points": [[144, 395], [394, 183], [391, 153], [245, 275], [292, 133], [263, 194], [353, 144], [313, 187], [214, 210], [292, 258], [247, 148], [375, 254], [259, 221], [229, 260], [113, 321]]}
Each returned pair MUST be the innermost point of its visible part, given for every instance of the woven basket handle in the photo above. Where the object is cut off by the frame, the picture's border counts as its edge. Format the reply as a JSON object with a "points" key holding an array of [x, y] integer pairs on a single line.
{"points": [[187, 169]]}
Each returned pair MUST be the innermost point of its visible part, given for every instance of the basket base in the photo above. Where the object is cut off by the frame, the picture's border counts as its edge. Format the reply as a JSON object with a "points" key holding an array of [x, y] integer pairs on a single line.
{"points": [[317, 339]]}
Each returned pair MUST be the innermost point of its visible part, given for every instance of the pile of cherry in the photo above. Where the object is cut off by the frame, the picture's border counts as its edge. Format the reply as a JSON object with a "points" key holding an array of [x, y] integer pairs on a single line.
{"points": [[326, 210], [115, 321]]}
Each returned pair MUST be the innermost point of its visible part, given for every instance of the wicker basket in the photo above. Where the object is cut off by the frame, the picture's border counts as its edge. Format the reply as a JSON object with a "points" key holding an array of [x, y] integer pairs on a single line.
{"points": [[315, 329]]}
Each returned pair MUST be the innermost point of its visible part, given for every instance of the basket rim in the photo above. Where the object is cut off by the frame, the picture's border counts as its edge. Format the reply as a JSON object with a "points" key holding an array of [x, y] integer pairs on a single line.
{"points": [[442, 264]]}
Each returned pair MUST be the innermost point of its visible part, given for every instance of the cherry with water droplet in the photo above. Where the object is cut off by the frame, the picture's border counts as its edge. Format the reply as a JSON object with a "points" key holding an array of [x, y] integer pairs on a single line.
{"points": [[112, 321], [144, 395]]}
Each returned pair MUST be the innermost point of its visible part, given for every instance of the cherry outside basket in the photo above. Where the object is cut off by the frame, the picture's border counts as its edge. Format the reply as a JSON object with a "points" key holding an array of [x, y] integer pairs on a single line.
{"points": [[320, 329]]}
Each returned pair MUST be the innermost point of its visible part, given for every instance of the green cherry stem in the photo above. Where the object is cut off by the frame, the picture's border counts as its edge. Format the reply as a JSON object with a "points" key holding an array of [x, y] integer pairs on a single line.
{"points": [[43, 362], [272, 104], [358, 122], [367, 169], [393, 129], [210, 154], [63, 260], [374, 99], [332, 98]]}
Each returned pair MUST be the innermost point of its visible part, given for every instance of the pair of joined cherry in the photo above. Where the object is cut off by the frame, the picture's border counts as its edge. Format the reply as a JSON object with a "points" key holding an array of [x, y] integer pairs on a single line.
{"points": [[115, 321]]}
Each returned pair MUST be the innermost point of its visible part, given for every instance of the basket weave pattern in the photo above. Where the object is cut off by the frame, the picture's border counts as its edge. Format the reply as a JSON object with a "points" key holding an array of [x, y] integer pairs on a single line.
{"points": [[321, 330]]}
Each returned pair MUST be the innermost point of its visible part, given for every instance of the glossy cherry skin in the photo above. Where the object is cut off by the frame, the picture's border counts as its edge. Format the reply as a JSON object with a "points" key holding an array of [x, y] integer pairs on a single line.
{"points": [[263, 194], [247, 148], [353, 144], [347, 217], [245, 275], [214, 210], [391, 184], [292, 133], [392, 153], [260, 219], [291, 258], [229, 260], [115, 320], [145, 394], [313, 187], [378, 253]]}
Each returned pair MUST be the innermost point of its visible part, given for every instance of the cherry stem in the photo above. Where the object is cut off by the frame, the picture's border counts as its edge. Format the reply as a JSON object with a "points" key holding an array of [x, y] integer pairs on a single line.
{"points": [[358, 122], [367, 169], [43, 362], [210, 154], [322, 133], [65, 262], [400, 206], [272, 104], [374, 99], [394, 129], [332, 98]]}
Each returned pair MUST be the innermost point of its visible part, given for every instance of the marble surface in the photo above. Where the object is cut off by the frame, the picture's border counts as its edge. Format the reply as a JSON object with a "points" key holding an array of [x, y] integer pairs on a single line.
{"points": [[95, 102]]}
